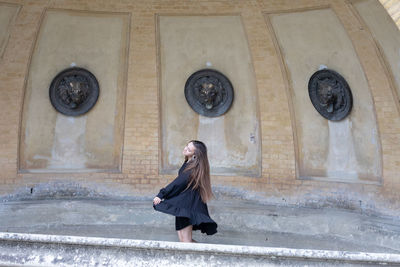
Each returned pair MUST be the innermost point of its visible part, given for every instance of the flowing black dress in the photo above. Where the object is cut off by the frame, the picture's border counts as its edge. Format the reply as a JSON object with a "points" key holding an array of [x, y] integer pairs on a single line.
{"points": [[186, 203]]}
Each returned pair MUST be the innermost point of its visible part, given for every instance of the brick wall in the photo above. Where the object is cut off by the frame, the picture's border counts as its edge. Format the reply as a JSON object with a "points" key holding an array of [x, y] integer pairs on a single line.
{"points": [[141, 153]]}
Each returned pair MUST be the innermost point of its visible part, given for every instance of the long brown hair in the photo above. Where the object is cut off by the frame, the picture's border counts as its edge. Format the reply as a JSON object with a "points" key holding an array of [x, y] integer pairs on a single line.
{"points": [[200, 175]]}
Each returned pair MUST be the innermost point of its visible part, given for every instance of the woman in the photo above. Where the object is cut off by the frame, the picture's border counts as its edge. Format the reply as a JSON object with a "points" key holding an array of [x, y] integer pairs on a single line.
{"points": [[187, 195]]}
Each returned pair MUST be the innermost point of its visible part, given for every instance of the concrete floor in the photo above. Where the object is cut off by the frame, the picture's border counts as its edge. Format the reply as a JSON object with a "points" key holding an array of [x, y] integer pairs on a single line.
{"points": [[239, 223]]}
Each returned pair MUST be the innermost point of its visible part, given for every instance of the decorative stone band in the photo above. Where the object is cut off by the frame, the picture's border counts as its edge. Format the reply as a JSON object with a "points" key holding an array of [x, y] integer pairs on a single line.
{"points": [[49, 250]]}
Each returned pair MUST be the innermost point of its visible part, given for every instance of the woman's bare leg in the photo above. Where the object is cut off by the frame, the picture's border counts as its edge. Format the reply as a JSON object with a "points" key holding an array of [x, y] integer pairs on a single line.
{"points": [[180, 235], [185, 234]]}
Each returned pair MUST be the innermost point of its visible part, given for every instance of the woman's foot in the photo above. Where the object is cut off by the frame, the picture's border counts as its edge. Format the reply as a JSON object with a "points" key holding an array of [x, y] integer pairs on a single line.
{"points": [[194, 241]]}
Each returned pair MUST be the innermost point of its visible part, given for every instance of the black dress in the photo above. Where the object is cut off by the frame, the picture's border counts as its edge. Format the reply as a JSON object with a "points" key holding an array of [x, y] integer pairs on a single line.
{"points": [[185, 203]]}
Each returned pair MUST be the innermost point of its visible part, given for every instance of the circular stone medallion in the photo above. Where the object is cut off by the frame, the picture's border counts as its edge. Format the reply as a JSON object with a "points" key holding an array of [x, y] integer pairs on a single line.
{"points": [[74, 91], [330, 94], [209, 93]]}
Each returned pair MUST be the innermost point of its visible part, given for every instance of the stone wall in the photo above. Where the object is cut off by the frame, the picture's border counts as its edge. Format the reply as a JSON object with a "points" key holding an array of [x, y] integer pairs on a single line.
{"points": [[141, 124]]}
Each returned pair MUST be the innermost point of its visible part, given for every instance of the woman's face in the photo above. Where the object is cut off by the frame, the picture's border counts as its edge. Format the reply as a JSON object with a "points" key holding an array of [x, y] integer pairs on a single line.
{"points": [[189, 149]]}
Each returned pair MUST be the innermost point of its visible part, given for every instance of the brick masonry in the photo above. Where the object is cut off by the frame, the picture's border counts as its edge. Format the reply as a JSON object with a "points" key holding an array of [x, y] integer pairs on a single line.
{"points": [[141, 154]]}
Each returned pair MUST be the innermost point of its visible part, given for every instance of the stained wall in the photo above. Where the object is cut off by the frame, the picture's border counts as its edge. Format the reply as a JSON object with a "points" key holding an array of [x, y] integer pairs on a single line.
{"points": [[273, 107], [347, 150], [191, 43], [51, 141]]}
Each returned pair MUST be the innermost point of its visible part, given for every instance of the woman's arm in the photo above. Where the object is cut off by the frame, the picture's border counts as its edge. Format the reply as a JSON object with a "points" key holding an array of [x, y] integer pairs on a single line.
{"points": [[175, 187]]}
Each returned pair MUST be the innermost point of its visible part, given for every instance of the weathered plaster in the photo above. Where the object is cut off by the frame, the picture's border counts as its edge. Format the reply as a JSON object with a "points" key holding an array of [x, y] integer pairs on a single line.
{"points": [[348, 150], [188, 44], [51, 141]]}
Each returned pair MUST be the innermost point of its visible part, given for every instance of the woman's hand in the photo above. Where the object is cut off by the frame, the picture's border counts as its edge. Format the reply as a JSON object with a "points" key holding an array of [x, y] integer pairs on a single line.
{"points": [[156, 201]]}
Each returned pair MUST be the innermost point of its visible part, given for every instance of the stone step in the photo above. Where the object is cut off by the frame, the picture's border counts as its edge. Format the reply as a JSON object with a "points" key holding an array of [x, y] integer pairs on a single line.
{"points": [[240, 223], [18, 249]]}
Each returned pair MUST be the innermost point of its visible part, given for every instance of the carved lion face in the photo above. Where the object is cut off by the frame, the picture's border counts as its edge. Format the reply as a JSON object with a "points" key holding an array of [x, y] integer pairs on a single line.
{"points": [[326, 92], [330, 95], [76, 91], [208, 94], [73, 91]]}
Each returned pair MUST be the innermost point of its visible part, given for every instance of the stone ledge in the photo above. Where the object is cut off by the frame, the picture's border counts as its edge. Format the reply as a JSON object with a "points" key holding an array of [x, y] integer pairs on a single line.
{"points": [[16, 248]]}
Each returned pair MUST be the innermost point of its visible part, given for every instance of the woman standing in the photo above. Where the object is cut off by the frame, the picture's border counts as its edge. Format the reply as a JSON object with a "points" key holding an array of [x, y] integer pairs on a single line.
{"points": [[187, 195]]}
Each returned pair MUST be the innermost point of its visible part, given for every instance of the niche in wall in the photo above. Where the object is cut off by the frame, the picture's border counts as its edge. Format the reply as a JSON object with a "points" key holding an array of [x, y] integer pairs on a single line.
{"points": [[51, 141], [187, 44], [347, 150]]}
